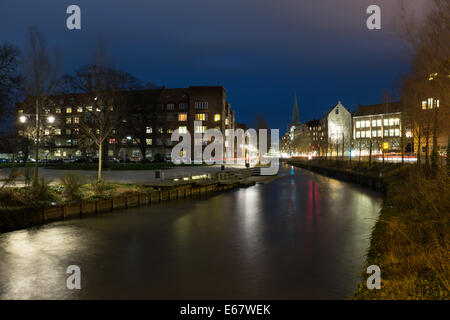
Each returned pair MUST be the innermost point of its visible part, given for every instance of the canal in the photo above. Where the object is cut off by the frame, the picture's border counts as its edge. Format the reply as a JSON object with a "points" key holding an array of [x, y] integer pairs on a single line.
{"points": [[302, 236]]}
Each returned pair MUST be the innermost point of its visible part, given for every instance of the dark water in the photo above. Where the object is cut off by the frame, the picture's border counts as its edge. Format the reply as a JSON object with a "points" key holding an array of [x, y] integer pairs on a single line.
{"points": [[301, 236]]}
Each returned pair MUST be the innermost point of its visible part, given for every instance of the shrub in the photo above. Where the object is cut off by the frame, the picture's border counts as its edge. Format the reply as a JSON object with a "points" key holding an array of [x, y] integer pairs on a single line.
{"points": [[40, 190], [72, 184]]}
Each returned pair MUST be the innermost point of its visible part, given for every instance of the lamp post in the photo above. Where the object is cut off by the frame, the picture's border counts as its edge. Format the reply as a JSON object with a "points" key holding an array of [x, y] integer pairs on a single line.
{"points": [[23, 119]]}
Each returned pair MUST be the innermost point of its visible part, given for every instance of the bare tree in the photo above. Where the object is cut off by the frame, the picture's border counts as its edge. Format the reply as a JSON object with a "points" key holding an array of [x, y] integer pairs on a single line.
{"points": [[40, 80]]}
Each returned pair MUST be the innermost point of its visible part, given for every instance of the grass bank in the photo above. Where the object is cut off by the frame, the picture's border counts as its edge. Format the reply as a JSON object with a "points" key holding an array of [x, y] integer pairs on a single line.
{"points": [[410, 241]]}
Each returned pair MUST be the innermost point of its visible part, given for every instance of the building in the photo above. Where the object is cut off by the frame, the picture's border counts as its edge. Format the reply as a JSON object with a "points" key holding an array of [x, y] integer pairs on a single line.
{"points": [[335, 132], [378, 124], [148, 119]]}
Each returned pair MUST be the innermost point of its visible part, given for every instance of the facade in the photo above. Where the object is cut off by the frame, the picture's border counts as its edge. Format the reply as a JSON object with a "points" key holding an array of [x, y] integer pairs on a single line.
{"points": [[376, 124], [148, 120], [335, 134]]}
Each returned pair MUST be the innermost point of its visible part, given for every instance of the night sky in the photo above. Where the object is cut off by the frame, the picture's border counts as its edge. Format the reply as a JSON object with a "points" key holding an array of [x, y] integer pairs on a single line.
{"points": [[261, 51]]}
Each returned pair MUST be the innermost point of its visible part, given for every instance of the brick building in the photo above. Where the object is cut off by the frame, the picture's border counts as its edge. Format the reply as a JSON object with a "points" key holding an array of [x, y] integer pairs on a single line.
{"points": [[149, 118]]}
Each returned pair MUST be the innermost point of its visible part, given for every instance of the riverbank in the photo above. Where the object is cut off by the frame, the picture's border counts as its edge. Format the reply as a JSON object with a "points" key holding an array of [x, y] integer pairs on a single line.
{"points": [[410, 241], [54, 203]]}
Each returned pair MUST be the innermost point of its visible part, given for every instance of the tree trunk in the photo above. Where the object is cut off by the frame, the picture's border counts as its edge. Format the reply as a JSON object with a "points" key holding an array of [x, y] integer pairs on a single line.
{"points": [[100, 149], [36, 158]]}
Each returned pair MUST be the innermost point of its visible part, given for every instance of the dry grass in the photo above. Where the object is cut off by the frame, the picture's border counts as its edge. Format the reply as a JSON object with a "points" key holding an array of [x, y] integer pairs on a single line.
{"points": [[411, 240]]}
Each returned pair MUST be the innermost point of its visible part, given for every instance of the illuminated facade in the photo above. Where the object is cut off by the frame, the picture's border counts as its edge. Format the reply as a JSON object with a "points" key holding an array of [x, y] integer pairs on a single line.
{"points": [[335, 134]]}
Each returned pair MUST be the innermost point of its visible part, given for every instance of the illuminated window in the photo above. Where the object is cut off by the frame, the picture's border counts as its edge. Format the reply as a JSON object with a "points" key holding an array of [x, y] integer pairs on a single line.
{"points": [[57, 132], [57, 153], [182, 129], [358, 134], [227, 121], [148, 130], [386, 133], [358, 124], [391, 121], [385, 122], [378, 122], [374, 123], [69, 110], [76, 130], [148, 141], [57, 110], [182, 117], [80, 109], [200, 129], [367, 123], [112, 141], [200, 116], [20, 111], [424, 105], [396, 121], [76, 120], [379, 133], [169, 130], [68, 120], [68, 132], [363, 134], [47, 132], [89, 108], [217, 117], [160, 130], [367, 134], [363, 124], [374, 133], [397, 132], [391, 132]]}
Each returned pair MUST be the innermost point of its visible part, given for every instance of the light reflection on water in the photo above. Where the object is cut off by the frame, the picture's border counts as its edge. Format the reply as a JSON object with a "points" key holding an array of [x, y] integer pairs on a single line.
{"points": [[301, 236]]}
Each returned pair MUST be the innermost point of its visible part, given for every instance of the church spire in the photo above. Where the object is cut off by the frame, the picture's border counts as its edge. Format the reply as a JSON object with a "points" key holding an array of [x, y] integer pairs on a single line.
{"points": [[295, 117]]}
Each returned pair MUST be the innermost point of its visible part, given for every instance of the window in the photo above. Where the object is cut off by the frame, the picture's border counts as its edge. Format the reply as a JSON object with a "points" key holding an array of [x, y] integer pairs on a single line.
{"points": [[396, 121], [57, 153], [159, 142], [57, 110], [124, 141], [76, 120], [374, 133], [217, 117], [378, 122], [379, 133], [169, 130], [363, 134], [358, 124], [201, 105], [182, 117], [20, 111], [148, 130], [424, 105], [160, 130], [374, 123], [112, 141], [89, 108], [368, 134], [182, 129], [47, 132], [391, 132], [358, 134], [200, 116], [170, 106], [200, 129], [386, 133], [69, 110], [159, 117], [57, 132], [397, 132], [148, 141], [385, 122], [80, 109], [135, 153], [68, 120], [170, 117], [183, 106], [391, 121], [68, 132], [227, 121], [367, 123], [336, 111]]}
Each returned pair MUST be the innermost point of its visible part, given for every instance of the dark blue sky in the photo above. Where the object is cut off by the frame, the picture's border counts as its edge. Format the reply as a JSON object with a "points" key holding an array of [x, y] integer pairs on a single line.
{"points": [[261, 51]]}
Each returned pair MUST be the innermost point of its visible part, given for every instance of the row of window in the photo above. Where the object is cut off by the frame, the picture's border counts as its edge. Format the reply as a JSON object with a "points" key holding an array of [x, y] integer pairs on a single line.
{"points": [[377, 123], [377, 133], [430, 104]]}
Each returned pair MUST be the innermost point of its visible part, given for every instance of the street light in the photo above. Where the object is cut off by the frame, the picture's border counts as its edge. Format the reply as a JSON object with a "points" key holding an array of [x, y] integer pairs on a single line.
{"points": [[22, 119]]}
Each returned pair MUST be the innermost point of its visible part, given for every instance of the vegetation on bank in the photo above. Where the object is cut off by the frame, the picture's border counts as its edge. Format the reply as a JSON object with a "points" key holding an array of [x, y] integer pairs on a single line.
{"points": [[411, 240], [106, 167]]}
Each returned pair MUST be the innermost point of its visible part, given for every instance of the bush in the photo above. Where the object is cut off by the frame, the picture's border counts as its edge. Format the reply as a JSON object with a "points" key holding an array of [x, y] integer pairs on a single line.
{"points": [[100, 187], [72, 184], [40, 190]]}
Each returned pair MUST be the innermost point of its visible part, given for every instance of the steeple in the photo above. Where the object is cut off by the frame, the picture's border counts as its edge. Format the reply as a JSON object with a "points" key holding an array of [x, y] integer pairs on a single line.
{"points": [[295, 117]]}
